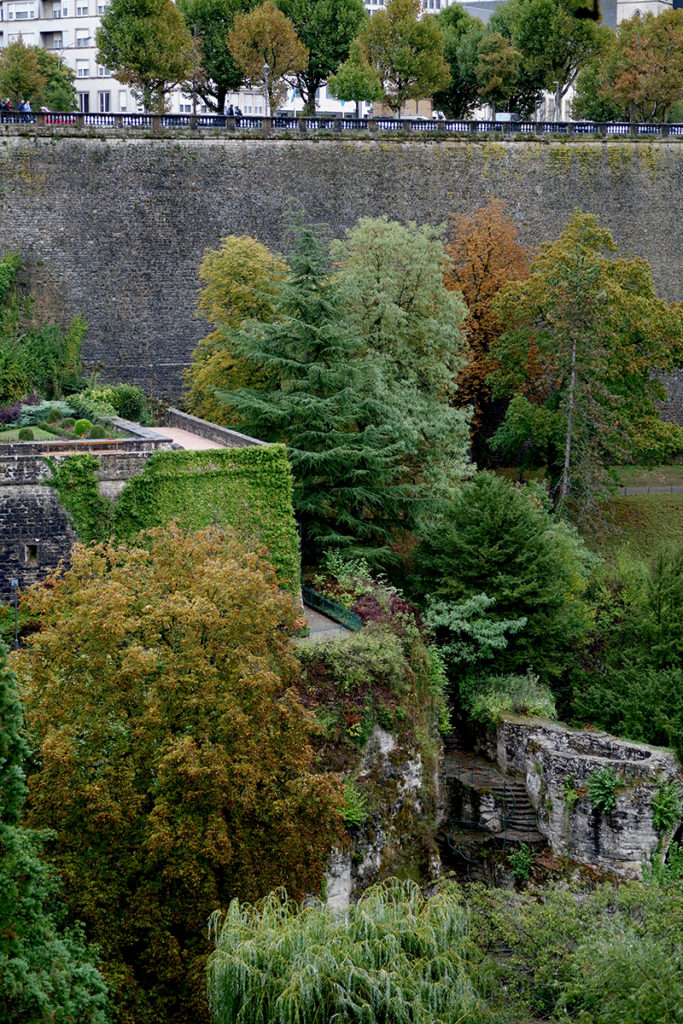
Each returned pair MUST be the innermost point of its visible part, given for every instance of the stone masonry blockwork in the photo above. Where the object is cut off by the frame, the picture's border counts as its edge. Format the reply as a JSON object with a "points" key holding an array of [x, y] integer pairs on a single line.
{"points": [[115, 228]]}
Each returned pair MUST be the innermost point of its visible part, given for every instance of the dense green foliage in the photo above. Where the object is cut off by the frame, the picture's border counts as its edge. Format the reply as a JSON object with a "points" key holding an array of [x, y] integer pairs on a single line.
{"points": [[46, 972], [629, 679], [34, 356], [498, 540], [174, 753], [394, 956], [604, 957], [210, 21], [327, 29], [353, 370]]}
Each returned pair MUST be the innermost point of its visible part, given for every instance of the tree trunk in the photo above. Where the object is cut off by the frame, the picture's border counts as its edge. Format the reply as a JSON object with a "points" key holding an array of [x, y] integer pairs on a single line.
{"points": [[564, 489]]}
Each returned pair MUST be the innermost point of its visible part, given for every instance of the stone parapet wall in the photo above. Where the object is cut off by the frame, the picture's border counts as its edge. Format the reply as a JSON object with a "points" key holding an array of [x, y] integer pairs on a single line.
{"points": [[211, 431], [126, 254], [551, 758]]}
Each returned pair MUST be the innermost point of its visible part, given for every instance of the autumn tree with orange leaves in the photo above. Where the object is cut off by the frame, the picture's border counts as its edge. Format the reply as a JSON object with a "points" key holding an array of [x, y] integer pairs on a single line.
{"points": [[486, 253], [175, 763]]}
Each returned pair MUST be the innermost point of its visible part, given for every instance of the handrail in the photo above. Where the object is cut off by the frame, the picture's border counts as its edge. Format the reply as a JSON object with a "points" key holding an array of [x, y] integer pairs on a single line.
{"points": [[335, 611], [303, 125]]}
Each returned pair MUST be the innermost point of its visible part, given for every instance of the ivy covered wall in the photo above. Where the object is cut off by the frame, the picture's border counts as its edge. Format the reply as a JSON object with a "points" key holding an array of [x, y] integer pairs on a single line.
{"points": [[249, 489]]}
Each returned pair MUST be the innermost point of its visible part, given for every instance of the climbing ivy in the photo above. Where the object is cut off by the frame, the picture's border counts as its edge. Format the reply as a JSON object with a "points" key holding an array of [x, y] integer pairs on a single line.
{"points": [[249, 489], [75, 480]]}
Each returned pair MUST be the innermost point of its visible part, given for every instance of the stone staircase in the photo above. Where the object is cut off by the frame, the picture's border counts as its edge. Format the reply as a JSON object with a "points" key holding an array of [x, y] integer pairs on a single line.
{"points": [[508, 814]]}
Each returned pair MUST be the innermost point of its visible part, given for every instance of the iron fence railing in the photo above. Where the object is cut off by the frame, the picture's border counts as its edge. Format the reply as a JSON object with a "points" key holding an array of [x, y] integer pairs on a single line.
{"points": [[300, 124], [335, 611]]}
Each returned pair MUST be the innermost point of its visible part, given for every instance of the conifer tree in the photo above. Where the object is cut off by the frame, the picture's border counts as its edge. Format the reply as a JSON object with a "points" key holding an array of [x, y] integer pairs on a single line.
{"points": [[327, 405], [46, 972]]}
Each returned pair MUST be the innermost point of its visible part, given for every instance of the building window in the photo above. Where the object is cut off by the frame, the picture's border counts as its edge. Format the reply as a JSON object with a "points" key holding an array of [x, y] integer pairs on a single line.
{"points": [[102, 71], [30, 554], [84, 102], [82, 37], [82, 69], [123, 100], [81, 9], [27, 38], [104, 102], [57, 41], [102, 6], [20, 11], [185, 108]]}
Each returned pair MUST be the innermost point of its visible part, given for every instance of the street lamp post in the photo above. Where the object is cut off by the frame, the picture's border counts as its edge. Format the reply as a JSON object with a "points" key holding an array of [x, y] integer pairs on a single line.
{"points": [[14, 584], [266, 72]]}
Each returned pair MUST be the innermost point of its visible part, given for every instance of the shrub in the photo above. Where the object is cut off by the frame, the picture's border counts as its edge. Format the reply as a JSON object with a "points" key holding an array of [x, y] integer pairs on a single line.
{"points": [[522, 695], [394, 956], [355, 810], [10, 413], [130, 403], [26, 434], [88, 406], [68, 423], [521, 861], [97, 431], [49, 411], [603, 784], [81, 427], [666, 808]]}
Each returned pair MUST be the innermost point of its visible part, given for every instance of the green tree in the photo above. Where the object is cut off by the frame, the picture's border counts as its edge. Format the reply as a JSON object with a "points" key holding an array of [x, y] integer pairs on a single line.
{"points": [[327, 29], [462, 34], [324, 401], [147, 45], [356, 81], [210, 22], [499, 540], [639, 69], [406, 51], [34, 356], [552, 42], [47, 974], [239, 282], [583, 334], [59, 92], [20, 73], [497, 71], [391, 281], [266, 47], [175, 763]]}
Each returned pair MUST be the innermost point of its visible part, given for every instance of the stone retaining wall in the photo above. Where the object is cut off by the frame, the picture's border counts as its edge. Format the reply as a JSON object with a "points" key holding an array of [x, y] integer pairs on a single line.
{"points": [[115, 228]]}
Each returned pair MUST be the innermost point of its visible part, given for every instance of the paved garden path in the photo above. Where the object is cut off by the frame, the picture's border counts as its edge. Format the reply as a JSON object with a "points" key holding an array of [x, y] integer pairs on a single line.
{"points": [[191, 442]]}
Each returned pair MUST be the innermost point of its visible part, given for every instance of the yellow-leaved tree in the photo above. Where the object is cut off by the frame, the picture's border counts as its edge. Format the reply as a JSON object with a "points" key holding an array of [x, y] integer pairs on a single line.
{"points": [[175, 764]]}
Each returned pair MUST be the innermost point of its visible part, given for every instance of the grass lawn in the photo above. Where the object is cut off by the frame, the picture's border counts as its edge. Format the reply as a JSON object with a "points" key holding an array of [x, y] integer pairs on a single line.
{"points": [[646, 476], [38, 434], [641, 524]]}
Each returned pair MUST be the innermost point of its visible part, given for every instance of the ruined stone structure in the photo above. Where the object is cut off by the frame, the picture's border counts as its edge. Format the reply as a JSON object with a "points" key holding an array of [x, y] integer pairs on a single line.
{"points": [[554, 760], [114, 228]]}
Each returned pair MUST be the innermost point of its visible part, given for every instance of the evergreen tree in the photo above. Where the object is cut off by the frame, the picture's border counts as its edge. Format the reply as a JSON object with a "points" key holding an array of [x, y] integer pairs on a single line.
{"points": [[46, 972], [327, 405], [496, 539]]}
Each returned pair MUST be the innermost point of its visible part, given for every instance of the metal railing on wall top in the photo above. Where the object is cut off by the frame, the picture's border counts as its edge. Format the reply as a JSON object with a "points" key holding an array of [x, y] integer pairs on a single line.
{"points": [[339, 125]]}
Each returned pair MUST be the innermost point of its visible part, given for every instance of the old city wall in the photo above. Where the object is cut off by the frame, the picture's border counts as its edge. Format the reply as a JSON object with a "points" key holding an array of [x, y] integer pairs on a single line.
{"points": [[115, 228]]}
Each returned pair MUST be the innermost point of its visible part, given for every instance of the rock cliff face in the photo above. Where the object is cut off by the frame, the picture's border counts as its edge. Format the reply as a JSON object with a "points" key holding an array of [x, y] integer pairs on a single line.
{"points": [[397, 837], [558, 763]]}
